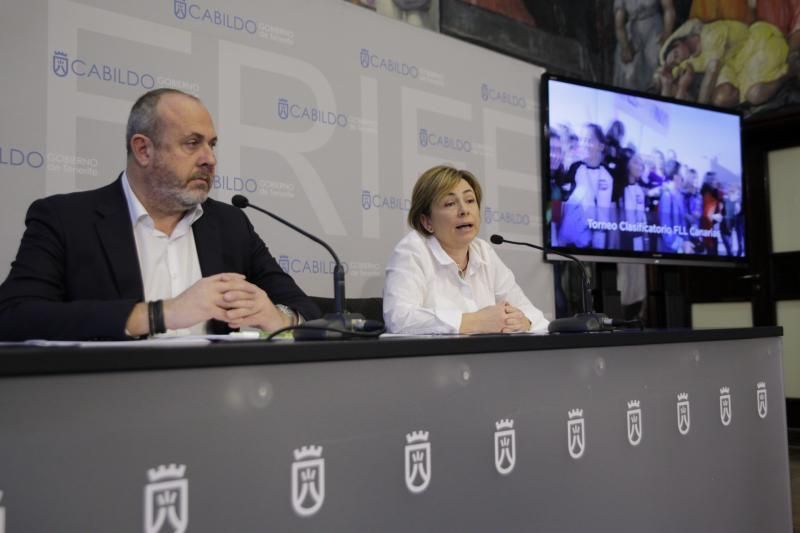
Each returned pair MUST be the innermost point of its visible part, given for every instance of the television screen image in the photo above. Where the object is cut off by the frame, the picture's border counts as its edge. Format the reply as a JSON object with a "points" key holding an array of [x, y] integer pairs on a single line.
{"points": [[633, 177]]}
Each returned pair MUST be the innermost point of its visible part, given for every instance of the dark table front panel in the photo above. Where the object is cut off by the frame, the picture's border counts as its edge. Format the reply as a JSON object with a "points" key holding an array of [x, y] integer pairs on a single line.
{"points": [[76, 449]]}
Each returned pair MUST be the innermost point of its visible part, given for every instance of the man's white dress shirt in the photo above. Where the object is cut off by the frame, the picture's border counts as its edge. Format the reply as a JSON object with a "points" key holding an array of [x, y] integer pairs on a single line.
{"points": [[169, 263]]}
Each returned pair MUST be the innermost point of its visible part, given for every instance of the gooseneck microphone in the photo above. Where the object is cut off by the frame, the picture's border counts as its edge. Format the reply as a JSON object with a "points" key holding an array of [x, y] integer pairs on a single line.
{"points": [[585, 321], [333, 325], [338, 271]]}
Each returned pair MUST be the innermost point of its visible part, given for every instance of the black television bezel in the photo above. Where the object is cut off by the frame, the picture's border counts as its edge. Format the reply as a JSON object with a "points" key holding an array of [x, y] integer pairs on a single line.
{"points": [[623, 256]]}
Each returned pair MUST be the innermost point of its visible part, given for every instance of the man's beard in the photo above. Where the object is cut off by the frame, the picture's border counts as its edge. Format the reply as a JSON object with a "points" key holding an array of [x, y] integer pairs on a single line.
{"points": [[170, 191]]}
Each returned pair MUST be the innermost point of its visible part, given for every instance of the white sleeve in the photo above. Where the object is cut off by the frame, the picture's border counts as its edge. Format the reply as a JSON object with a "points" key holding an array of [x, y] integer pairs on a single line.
{"points": [[404, 294], [506, 288]]}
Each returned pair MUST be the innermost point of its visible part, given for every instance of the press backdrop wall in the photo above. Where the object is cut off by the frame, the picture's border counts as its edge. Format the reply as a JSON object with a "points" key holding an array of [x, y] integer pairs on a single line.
{"points": [[326, 114]]}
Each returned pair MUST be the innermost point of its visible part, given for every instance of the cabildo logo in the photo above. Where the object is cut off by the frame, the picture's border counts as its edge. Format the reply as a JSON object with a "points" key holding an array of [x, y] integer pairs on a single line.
{"points": [[429, 139], [506, 217], [325, 266], [213, 16], [297, 265], [374, 61], [370, 200], [63, 66], [253, 185], [288, 110], [17, 157], [490, 94], [14, 156], [234, 183], [183, 10]]}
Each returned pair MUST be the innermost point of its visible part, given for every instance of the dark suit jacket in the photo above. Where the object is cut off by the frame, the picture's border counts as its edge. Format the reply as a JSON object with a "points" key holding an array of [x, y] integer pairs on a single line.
{"points": [[77, 275]]}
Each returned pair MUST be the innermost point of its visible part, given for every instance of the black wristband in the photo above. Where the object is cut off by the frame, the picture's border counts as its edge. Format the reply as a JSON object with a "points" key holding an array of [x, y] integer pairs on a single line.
{"points": [[151, 326], [155, 317], [161, 327]]}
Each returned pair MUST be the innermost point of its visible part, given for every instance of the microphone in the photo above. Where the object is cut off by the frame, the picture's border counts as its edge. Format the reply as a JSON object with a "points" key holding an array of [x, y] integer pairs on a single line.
{"points": [[339, 319], [585, 321]]}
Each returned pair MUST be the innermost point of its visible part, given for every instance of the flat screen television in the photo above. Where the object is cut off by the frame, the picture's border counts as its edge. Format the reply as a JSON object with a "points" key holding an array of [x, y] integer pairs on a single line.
{"points": [[633, 177]]}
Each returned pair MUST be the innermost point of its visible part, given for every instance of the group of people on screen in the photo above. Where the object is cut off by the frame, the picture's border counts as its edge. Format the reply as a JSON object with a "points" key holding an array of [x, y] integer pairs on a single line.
{"points": [[152, 254], [604, 196]]}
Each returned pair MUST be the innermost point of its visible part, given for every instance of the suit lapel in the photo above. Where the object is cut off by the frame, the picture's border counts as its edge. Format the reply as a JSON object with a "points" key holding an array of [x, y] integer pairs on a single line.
{"points": [[115, 232], [208, 241]]}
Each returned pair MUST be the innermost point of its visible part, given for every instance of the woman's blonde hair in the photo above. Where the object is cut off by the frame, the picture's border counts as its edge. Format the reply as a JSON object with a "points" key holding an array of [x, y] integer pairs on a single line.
{"points": [[431, 186]]}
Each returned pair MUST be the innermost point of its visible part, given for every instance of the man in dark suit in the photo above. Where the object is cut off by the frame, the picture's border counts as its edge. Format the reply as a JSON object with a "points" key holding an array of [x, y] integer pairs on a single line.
{"points": [[149, 252]]}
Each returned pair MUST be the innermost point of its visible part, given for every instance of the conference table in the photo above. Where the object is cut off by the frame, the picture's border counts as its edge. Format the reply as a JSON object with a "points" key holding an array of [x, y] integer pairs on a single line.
{"points": [[657, 431]]}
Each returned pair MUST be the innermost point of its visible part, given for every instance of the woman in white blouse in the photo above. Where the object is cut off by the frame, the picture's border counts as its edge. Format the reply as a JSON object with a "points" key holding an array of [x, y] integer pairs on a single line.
{"points": [[441, 278]]}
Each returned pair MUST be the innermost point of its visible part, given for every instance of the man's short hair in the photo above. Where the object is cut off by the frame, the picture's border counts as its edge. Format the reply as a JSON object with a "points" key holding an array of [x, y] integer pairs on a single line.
{"points": [[143, 118], [431, 186]]}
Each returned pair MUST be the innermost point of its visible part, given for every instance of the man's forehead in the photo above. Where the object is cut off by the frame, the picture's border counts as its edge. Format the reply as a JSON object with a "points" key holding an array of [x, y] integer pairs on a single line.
{"points": [[176, 102], [185, 113]]}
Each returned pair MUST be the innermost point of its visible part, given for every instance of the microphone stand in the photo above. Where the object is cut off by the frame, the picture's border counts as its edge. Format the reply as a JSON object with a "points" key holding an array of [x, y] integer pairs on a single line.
{"points": [[585, 321], [339, 319]]}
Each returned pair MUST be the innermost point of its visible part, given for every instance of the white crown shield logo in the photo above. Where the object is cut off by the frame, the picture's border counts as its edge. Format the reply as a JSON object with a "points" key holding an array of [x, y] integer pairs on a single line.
{"points": [[761, 399], [684, 416], [417, 461], [505, 446], [308, 480], [166, 499], [725, 411], [634, 423], [576, 435]]}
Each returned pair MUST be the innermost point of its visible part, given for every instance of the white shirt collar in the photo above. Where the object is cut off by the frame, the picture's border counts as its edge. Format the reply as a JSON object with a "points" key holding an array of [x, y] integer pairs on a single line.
{"points": [[441, 256], [138, 212]]}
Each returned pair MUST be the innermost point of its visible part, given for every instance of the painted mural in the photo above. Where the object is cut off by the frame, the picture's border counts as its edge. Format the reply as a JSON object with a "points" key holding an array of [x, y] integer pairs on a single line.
{"points": [[421, 13], [742, 54]]}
